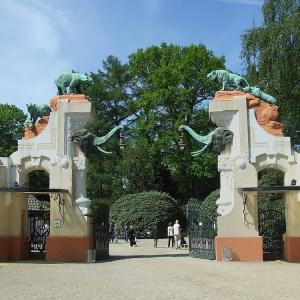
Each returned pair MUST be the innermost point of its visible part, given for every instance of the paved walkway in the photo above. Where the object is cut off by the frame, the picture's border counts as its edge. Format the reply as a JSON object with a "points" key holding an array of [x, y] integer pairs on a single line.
{"points": [[144, 272]]}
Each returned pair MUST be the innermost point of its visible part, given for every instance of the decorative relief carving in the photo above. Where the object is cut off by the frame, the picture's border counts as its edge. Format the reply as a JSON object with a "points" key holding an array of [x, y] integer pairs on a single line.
{"points": [[80, 163], [72, 125], [224, 163]]}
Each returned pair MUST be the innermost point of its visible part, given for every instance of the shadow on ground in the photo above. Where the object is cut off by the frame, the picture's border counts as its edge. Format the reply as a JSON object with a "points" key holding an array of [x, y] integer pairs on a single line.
{"points": [[122, 257]]}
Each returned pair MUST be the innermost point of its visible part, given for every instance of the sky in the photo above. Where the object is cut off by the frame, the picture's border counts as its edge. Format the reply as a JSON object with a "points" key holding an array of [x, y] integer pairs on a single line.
{"points": [[40, 39]]}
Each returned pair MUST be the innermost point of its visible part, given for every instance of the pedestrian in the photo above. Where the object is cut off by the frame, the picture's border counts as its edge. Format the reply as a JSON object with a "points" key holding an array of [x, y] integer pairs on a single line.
{"points": [[155, 236], [131, 236], [125, 230], [116, 235], [170, 235], [111, 232], [177, 234]]}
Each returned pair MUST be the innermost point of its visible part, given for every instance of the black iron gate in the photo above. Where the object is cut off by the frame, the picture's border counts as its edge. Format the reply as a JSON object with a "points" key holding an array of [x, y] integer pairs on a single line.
{"points": [[271, 226], [101, 231], [202, 229], [39, 230]]}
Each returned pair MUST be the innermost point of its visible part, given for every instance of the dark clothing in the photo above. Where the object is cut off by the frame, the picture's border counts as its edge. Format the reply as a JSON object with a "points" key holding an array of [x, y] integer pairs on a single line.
{"points": [[131, 236], [155, 233], [171, 240], [155, 236]]}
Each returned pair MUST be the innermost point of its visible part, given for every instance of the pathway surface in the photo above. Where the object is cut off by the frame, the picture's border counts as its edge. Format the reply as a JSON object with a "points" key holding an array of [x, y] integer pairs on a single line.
{"points": [[144, 272]]}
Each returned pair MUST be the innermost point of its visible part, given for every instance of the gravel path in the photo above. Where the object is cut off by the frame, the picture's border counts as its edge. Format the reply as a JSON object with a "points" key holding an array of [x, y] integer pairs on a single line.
{"points": [[144, 272]]}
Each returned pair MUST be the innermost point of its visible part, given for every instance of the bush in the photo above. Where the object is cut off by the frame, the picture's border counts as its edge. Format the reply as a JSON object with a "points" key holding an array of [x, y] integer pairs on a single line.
{"points": [[145, 210], [209, 203]]}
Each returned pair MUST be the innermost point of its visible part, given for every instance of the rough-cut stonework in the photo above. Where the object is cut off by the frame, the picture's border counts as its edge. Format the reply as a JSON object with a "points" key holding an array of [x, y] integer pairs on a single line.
{"points": [[265, 113]]}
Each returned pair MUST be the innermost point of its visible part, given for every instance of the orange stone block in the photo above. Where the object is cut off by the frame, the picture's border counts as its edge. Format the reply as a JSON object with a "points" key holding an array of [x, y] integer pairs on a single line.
{"points": [[243, 248], [265, 113], [67, 249], [292, 248], [69, 97]]}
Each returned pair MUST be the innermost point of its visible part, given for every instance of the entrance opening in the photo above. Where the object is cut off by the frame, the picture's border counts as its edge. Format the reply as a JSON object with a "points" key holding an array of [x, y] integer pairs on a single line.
{"points": [[38, 214], [271, 214]]}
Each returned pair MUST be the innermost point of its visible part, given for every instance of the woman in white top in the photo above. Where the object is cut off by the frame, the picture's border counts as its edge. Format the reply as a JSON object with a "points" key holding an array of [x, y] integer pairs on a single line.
{"points": [[170, 234]]}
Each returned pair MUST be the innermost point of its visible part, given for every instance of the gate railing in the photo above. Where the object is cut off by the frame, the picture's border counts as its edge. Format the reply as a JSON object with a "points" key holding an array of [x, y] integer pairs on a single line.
{"points": [[271, 226], [202, 229]]}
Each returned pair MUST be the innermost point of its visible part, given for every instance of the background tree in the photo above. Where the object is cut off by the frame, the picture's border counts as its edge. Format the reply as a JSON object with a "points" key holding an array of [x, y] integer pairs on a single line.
{"points": [[11, 128], [159, 89], [272, 56], [110, 94], [170, 88]]}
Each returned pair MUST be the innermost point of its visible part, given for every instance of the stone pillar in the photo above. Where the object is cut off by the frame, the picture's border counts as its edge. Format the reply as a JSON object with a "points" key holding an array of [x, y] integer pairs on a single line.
{"points": [[292, 236]]}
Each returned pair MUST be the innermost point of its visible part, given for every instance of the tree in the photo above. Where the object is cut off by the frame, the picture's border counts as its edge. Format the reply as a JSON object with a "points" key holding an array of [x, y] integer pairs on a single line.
{"points": [[272, 56], [170, 86], [11, 128], [112, 101]]}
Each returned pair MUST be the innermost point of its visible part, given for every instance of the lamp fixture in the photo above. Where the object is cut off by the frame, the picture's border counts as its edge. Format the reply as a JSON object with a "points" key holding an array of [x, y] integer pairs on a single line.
{"points": [[121, 140], [181, 143]]}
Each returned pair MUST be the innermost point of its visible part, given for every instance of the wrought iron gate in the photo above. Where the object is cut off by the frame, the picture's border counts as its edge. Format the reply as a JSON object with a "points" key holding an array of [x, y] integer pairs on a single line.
{"points": [[202, 229], [271, 226], [38, 234], [101, 228]]}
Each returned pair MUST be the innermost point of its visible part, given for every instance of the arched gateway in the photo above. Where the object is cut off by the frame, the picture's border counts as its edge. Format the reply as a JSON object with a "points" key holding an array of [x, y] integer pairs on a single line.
{"points": [[257, 143], [48, 146]]}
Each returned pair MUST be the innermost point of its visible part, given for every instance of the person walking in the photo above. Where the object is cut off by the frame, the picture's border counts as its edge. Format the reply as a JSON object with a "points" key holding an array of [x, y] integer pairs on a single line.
{"points": [[177, 234], [116, 235], [155, 236], [170, 235], [131, 236]]}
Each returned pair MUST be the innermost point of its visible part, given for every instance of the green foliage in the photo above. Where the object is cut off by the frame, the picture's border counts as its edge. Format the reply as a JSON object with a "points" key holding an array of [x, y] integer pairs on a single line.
{"points": [[145, 210], [112, 101], [171, 89], [209, 203], [159, 89], [266, 178], [39, 179], [11, 128], [272, 57]]}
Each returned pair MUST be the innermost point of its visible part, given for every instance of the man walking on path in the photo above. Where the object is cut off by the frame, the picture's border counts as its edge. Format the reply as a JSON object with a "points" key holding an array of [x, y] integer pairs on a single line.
{"points": [[170, 234], [177, 234]]}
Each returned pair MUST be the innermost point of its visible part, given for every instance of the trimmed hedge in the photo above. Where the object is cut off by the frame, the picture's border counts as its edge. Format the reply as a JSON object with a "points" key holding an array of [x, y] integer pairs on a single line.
{"points": [[145, 210]]}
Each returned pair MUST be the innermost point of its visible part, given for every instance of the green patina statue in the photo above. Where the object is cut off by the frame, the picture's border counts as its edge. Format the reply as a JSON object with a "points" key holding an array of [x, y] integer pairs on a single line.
{"points": [[215, 141], [228, 79], [233, 81], [71, 83], [89, 143], [257, 92], [35, 112]]}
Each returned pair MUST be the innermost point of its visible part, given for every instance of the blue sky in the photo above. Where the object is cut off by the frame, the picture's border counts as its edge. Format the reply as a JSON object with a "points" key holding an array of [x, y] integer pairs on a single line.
{"points": [[40, 39]]}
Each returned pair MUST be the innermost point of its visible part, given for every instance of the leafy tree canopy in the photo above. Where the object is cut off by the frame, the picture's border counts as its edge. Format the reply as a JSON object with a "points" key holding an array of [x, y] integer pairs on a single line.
{"points": [[11, 128], [272, 56]]}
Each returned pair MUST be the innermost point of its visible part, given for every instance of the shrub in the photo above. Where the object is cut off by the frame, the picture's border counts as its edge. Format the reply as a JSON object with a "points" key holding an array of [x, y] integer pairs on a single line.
{"points": [[145, 210], [209, 203]]}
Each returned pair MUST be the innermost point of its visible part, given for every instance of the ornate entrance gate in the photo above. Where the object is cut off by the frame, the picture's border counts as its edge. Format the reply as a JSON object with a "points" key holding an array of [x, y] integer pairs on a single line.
{"points": [[100, 230], [38, 217], [202, 229], [271, 226]]}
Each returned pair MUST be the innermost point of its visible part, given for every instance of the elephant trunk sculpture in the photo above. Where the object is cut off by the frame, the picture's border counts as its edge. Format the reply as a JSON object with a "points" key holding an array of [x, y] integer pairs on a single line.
{"points": [[215, 141], [89, 142]]}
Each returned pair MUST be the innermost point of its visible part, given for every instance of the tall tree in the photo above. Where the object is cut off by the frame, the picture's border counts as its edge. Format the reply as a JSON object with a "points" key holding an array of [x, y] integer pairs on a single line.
{"points": [[110, 93], [272, 57], [171, 88], [11, 128]]}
